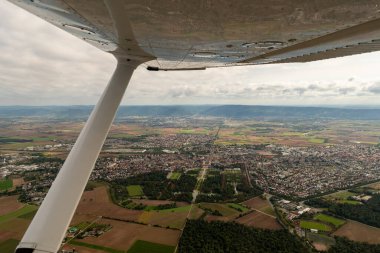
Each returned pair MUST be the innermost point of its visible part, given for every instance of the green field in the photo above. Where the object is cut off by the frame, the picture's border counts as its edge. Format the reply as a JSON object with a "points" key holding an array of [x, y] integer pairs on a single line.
{"points": [[348, 201], [175, 175], [37, 139], [97, 247], [29, 215], [315, 225], [332, 220], [6, 184], [238, 207], [8, 246], [187, 131], [339, 195], [177, 209], [149, 247], [317, 140], [293, 134], [135, 190], [18, 213], [221, 208]]}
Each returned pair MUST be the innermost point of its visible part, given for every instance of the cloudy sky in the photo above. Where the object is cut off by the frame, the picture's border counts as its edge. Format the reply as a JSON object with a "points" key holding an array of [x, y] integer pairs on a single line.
{"points": [[42, 65]]}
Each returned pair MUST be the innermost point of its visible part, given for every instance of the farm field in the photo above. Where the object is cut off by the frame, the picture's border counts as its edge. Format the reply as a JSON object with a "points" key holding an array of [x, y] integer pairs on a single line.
{"points": [[175, 210], [22, 211], [315, 225], [360, 232], [8, 246], [173, 218], [238, 207], [330, 219], [98, 203], [375, 186], [143, 246], [317, 140], [9, 204], [260, 204], [321, 242], [223, 209], [13, 222], [92, 247], [259, 220], [123, 235], [82, 249], [135, 190], [153, 202]]}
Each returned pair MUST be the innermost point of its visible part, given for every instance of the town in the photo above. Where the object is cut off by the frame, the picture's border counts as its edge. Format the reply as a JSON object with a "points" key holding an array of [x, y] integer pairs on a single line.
{"points": [[209, 169]]}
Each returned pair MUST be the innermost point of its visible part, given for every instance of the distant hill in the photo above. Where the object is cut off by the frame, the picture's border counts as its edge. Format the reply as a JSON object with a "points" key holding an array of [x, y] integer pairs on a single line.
{"points": [[228, 111]]}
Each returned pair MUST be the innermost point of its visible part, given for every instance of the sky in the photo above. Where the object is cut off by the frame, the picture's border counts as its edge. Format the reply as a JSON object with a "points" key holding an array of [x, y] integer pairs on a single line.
{"points": [[43, 65]]}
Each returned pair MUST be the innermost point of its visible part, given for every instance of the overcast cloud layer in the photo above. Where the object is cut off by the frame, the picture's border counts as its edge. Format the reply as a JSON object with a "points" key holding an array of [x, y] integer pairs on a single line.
{"points": [[42, 65]]}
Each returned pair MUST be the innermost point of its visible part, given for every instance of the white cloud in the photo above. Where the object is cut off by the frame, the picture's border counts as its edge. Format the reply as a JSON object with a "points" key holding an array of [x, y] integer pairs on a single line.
{"points": [[40, 64]]}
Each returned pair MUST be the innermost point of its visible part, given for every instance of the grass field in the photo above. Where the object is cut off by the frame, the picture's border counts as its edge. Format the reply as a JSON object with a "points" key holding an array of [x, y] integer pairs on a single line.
{"points": [[29, 215], [238, 207], [175, 175], [339, 195], [97, 247], [293, 134], [177, 209], [187, 131], [149, 247], [326, 218], [40, 139], [348, 201], [8, 246], [20, 212], [317, 140], [222, 208], [315, 225], [6, 184], [135, 190]]}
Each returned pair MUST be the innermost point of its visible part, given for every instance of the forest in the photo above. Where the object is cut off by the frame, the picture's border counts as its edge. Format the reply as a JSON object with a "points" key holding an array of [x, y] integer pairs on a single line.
{"points": [[344, 245], [200, 236], [155, 185], [210, 237]]}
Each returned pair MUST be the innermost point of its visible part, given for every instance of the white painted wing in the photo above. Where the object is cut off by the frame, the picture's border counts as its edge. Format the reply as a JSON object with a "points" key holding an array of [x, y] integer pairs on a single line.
{"points": [[199, 34]]}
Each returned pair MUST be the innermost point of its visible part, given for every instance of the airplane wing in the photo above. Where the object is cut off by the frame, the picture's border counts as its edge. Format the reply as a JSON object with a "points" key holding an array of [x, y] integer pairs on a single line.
{"points": [[185, 35], [217, 33]]}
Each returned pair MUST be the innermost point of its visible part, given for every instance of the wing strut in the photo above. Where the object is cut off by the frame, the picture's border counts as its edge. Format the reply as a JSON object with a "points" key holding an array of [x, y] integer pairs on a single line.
{"points": [[48, 228]]}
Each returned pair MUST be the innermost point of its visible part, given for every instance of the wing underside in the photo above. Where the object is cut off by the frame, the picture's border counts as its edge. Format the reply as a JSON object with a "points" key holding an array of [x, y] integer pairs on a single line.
{"points": [[197, 34]]}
